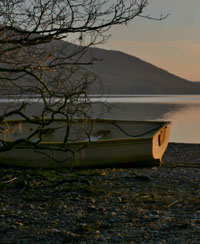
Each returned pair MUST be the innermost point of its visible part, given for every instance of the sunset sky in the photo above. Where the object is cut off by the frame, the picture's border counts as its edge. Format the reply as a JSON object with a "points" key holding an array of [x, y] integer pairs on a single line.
{"points": [[172, 44]]}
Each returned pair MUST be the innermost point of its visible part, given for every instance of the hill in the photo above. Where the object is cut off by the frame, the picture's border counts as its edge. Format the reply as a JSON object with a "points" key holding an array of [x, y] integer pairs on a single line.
{"points": [[121, 73]]}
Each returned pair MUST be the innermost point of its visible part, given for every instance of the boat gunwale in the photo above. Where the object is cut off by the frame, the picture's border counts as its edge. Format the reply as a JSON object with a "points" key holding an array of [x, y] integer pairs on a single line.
{"points": [[60, 144], [85, 120]]}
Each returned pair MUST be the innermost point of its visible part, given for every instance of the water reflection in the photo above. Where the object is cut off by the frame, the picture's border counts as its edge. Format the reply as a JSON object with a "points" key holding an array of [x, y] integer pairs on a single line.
{"points": [[185, 124], [136, 111]]}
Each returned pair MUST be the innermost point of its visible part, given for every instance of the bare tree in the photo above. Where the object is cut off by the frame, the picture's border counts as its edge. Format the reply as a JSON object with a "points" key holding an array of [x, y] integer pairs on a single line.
{"points": [[43, 69]]}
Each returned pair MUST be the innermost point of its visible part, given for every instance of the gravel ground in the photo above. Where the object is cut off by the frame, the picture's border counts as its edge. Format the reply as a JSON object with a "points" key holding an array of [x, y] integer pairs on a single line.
{"points": [[139, 205]]}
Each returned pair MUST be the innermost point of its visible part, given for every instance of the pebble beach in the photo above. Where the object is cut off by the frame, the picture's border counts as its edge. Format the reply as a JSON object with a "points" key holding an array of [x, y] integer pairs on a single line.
{"points": [[134, 205]]}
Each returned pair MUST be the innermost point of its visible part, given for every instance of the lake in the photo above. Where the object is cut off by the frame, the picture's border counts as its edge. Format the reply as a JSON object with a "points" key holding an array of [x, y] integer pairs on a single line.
{"points": [[182, 110]]}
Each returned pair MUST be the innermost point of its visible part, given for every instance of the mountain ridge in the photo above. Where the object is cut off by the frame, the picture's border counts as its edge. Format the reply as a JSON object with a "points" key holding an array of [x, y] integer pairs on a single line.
{"points": [[122, 73], [118, 72]]}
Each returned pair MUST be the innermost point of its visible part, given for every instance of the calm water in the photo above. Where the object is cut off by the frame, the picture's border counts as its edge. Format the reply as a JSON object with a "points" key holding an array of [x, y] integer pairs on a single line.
{"points": [[182, 111]]}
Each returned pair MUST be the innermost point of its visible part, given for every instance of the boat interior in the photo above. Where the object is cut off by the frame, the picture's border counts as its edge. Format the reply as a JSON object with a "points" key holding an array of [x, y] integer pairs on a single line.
{"points": [[80, 130]]}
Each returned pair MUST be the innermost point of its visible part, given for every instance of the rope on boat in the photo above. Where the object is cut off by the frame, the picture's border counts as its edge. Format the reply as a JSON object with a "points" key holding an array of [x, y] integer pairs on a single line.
{"points": [[143, 134]]}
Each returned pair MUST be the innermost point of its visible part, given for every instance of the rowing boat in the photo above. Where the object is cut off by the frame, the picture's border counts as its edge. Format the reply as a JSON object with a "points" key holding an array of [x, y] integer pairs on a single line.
{"points": [[82, 143]]}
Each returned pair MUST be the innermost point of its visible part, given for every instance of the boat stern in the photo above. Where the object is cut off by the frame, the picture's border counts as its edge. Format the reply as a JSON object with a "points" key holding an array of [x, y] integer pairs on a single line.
{"points": [[160, 142]]}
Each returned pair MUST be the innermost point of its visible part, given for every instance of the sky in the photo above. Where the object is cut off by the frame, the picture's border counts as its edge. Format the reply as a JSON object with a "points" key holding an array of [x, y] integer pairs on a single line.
{"points": [[172, 44]]}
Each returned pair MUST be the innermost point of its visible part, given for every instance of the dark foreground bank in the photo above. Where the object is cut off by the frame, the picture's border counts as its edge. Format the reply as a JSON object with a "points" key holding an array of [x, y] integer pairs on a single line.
{"points": [[144, 205], [182, 153]]}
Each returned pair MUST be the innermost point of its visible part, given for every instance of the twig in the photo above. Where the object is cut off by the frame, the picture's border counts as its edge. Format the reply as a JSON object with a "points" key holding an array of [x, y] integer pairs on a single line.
{"points": [[8, 181], [171, 204]]}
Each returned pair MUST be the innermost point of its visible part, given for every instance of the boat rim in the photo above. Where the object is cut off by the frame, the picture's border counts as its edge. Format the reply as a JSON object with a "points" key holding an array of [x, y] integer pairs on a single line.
{"points": [[60, 144]]}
